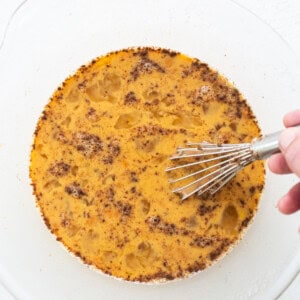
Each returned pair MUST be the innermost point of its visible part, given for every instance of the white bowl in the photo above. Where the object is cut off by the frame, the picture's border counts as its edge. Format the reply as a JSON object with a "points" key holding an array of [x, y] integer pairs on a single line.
{"points": [[47, 41]]}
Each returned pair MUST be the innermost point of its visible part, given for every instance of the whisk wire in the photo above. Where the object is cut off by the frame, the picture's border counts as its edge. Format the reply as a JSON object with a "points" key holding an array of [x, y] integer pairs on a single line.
{"points": [[226, 160], [218, 171], [205, 151], [241, 155], [218, 165], [203, 161], [208, 183]]}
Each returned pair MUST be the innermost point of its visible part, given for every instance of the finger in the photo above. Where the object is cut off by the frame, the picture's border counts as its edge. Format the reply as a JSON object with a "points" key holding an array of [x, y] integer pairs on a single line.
{"points": [[292, 118], [277, 164], [290, 203], [289, 143]]}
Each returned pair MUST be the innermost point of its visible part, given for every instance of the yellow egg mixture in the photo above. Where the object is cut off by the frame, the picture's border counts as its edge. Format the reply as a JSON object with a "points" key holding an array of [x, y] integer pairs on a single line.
{"points": [[100, 152]]}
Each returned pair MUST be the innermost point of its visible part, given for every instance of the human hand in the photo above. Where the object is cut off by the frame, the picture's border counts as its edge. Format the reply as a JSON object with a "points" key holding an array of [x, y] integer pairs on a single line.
{"points": [[288, 161]]}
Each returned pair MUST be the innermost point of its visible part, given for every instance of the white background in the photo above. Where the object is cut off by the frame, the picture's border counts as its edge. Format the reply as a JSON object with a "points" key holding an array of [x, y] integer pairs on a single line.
{"points": [[283, 16]]}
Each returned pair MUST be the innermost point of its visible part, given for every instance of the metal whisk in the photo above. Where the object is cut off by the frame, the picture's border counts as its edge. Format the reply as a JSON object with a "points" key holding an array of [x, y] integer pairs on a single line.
{"points": [[217, 164]]}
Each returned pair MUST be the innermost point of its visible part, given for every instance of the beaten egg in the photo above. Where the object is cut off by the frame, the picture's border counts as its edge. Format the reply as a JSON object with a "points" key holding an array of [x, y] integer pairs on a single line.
{"points": [[100, 152]]}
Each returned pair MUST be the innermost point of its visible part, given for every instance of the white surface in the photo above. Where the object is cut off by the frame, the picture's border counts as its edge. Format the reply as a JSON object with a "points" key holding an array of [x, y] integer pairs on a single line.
{"points": [[4, 293], [284, 17], [72, 52]]}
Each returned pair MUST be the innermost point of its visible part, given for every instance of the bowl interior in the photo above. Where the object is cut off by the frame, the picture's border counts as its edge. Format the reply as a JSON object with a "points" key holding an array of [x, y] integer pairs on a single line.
{"points": [[48, 41]]}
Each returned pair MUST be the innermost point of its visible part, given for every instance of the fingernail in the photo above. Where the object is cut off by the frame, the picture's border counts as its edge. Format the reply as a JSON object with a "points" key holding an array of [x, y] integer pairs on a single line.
{"points": [[286, 138]]}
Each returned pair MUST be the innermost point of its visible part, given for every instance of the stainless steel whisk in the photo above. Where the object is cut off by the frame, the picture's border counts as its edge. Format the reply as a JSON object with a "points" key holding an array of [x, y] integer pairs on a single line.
{"points": [[219, 163]]}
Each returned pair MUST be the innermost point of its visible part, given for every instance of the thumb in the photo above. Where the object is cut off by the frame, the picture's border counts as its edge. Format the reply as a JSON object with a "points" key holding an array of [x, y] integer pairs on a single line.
{"points": [[289, 144]]}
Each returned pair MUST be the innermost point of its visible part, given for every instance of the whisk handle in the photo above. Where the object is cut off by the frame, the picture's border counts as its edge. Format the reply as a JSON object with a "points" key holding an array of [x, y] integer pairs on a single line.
{"points": [[267, 145]]}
